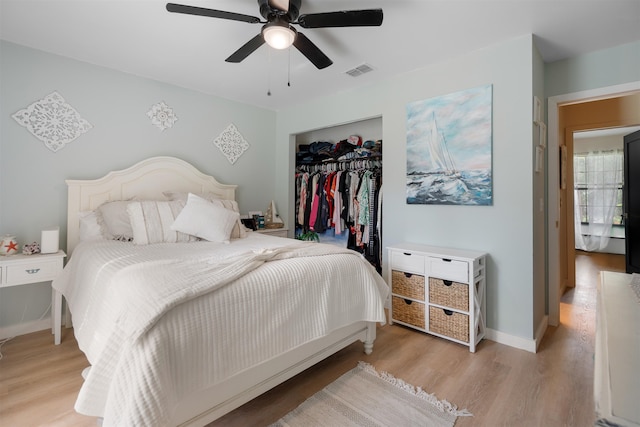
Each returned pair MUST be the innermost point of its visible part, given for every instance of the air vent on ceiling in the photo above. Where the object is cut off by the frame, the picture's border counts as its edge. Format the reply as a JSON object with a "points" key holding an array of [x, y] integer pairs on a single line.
{"points": [[359, 70]]}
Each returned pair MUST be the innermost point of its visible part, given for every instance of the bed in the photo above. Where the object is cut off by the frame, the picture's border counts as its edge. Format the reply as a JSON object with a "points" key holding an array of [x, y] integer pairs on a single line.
{"points": [[182, 331]]}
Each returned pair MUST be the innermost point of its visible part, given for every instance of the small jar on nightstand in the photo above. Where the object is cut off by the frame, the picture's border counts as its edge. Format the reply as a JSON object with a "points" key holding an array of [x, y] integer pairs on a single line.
{"points": [[20, 269]]}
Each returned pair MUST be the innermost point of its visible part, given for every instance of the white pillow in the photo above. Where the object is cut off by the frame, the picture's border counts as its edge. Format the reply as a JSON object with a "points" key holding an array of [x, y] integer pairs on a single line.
{"points": [[114, 220], [239, 230], [151, 222], [89, 227], [205, 220]]}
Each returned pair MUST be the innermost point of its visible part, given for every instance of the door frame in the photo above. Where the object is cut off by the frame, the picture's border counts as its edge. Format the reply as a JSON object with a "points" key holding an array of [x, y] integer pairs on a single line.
{"points": [[554, 288], [627, 194]]}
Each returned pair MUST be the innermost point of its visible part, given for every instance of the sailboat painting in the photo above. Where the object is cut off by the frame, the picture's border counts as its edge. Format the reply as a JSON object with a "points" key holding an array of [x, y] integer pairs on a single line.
{"points": [[449, 149]]}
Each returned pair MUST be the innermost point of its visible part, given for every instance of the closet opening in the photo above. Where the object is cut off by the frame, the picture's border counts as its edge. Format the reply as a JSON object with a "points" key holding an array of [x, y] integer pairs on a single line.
{"points": [[338, 187]]}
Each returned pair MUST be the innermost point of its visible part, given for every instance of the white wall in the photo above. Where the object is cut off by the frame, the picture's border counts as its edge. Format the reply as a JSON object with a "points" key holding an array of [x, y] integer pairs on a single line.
{"points": [[504, 230], [33, 194]]}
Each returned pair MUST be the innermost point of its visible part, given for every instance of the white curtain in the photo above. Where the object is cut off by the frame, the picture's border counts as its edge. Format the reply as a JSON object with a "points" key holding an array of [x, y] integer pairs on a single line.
{"points": [[603, 176]]}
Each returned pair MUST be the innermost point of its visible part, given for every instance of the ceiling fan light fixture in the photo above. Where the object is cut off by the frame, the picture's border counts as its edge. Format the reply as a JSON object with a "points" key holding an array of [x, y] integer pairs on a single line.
{"points": [[278, 35]]}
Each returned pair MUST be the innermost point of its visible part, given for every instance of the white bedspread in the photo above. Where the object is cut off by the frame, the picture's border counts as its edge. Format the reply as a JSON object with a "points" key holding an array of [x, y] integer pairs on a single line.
{"points": [[160, 321]]}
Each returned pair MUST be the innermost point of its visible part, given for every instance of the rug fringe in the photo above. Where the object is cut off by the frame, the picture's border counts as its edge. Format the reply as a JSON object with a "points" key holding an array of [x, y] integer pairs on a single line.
{"points": [[443, 405]]}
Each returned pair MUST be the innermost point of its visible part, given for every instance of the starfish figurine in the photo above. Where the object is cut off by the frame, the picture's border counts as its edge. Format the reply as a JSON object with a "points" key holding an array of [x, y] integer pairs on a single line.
{"points": [[12, 246]]}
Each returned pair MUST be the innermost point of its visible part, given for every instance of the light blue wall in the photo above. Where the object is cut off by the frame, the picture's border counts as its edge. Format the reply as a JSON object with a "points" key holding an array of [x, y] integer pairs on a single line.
{"points": [[540, 286], [33, 194], [504, 230], [603, 68]]}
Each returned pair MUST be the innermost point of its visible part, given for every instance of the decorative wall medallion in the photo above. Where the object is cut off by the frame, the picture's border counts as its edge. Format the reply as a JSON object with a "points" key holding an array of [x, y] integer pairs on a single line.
{"points": [[162, 116], [52, 121], [231, 143]]}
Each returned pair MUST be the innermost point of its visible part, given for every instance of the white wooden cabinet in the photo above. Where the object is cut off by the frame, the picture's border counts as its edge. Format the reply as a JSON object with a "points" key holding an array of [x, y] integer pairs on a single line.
{"points": [[617, 351], [16, 270], [440, 291]]}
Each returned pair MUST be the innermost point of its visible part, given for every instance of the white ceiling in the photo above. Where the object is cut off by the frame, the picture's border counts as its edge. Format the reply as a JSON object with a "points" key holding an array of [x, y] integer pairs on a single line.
{"points": [[142, 38]]}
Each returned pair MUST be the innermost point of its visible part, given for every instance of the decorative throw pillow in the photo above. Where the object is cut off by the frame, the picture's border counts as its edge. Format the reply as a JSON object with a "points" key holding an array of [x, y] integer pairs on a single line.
{"points": [[239, 231], [89, 227], [114, 220], [203, 219], [151, 222]]}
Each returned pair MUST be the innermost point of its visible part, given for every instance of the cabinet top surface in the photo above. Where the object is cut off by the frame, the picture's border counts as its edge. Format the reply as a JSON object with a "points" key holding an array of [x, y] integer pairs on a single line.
{"points": [[436, 250], [35, 257], [619, 316]]}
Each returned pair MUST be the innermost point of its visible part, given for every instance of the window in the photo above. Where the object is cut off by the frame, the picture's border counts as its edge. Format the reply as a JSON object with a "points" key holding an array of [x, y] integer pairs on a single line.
{"points": [[598, 180]]}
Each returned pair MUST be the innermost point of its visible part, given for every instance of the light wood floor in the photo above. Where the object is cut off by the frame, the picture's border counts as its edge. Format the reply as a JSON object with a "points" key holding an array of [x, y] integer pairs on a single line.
{"points": [[500, 385]]}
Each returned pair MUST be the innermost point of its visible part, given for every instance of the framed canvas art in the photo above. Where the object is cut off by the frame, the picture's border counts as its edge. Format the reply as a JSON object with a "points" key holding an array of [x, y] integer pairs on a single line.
{"points": [[449, 160]]}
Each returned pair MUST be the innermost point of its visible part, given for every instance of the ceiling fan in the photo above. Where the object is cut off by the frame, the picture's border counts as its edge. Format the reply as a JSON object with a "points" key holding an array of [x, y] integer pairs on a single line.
{"points": [[277, 30]]}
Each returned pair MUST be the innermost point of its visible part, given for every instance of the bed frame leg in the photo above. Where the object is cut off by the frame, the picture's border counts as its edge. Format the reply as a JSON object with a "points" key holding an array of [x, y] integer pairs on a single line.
{"points": [[370, 338]]}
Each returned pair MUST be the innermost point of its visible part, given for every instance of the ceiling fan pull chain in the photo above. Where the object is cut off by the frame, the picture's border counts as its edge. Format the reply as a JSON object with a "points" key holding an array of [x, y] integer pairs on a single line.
{"points": [[289, 68], [268, 72]]}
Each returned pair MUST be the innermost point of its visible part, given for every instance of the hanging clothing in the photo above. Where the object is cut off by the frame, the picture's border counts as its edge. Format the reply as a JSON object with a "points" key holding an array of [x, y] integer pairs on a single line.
{"points": [[342, 198]]}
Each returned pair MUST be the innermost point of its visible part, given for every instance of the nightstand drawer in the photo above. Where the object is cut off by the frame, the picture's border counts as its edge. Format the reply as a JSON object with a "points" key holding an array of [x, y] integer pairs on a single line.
{"points": [[449, 294], [407, 284], [406, 261], [449, 269], [407, 311], [278, 232], [31, 272]]}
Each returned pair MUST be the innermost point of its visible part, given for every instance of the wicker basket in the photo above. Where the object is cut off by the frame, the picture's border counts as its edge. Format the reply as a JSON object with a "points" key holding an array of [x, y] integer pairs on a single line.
{"points": [[449, 323], [449, 294], [407, 311], [407, 285]]}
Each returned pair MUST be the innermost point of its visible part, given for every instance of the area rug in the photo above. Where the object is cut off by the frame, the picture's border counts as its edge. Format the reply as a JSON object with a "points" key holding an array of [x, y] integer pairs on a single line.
{"points": [[365, 397]]}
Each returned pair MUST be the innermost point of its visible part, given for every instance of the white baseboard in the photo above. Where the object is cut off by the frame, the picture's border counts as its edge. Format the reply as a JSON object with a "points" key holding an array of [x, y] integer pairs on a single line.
{"points": [[511, 340], [25, 328], [542, 328]]}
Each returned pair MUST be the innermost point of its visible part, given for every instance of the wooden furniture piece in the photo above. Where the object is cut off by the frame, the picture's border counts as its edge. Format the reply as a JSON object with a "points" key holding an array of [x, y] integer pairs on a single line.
{"points": [[617, 359], [16, 270], [440, 291], [147, 180], [278, 232]]}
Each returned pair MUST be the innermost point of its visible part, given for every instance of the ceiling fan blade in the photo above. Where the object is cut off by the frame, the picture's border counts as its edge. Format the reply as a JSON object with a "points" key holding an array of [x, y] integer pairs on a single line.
{"points": [[311, 51], [247, 49], [212, 13], [345, 18]]}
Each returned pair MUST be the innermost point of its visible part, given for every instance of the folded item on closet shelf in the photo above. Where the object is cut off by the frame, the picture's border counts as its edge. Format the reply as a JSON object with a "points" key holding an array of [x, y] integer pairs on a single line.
{"points": [[317, 146], [343, 147], [358, 153], [355, 140], [304, 148]]}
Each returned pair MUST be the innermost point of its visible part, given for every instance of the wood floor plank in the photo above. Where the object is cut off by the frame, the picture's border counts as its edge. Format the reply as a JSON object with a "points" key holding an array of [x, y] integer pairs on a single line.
{"points": [[500, 385]]}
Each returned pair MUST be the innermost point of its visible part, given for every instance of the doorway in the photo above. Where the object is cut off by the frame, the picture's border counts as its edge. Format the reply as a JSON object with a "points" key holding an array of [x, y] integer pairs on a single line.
{"points": [[598, 164], [609, 107]]}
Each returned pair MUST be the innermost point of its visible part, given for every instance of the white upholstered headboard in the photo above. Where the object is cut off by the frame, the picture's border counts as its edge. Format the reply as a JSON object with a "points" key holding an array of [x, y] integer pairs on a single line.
{"points": [[146, 180]]}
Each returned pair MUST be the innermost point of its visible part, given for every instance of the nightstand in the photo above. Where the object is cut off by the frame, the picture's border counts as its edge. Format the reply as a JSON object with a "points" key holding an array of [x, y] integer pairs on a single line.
{"points": [[278, 232], [19, 269]]}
